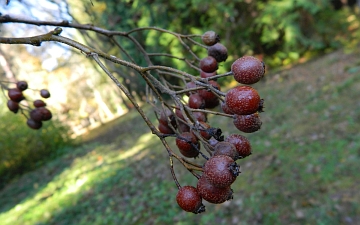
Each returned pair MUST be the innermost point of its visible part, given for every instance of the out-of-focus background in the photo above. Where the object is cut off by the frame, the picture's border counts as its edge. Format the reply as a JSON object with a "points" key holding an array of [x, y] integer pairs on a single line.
{"points": [[97, 161]]}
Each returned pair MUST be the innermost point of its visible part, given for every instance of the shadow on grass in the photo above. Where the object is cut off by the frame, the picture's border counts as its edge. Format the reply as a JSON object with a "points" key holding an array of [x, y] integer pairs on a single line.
{"points": [[28, 185]]}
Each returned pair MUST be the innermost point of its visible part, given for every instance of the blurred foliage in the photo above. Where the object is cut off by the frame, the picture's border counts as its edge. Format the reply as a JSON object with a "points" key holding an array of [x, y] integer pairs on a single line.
{"points": [[279, 31], [23, 149]]}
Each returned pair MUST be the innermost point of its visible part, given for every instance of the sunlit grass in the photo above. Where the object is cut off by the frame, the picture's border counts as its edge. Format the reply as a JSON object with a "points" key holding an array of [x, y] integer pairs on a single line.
{"points": [[67, 188]]}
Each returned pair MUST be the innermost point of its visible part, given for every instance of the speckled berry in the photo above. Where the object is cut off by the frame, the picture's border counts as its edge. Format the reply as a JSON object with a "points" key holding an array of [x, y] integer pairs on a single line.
{"points": [[242, 100], [241, 143], [225, 108], [189, 200], [211, 193], [248, 70], [247, 123], [221, 171]]}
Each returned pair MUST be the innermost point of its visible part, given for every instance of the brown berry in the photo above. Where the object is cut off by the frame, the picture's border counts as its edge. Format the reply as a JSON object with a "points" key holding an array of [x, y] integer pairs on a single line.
{"points": [[165, 129], [242, 100], [226, 148], [36, 115], [196, 101], [16, 95], [241, 143], [247, 123], [208, 64], [211, 193], [45, 113], [203, 130], [211, 100], [189, 200], [34, 124], [166, 116], [188, 145], [210, 38], [248, 70], [13, 106], [22, 85], [218, 51], [182, 127], [221, 170], [190, 85], [225, 108], [200, 116], [44, 93], [39, 103], [207, 75]]}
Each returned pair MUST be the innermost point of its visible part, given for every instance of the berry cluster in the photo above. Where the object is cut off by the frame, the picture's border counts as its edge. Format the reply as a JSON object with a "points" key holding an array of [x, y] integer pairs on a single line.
{"points": [[36, 115], [188, 122]]}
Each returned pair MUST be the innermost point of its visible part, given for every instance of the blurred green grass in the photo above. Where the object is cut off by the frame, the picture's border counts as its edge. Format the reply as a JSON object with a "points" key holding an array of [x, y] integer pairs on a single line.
{"points": [[303, 170], [23, 149]]}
